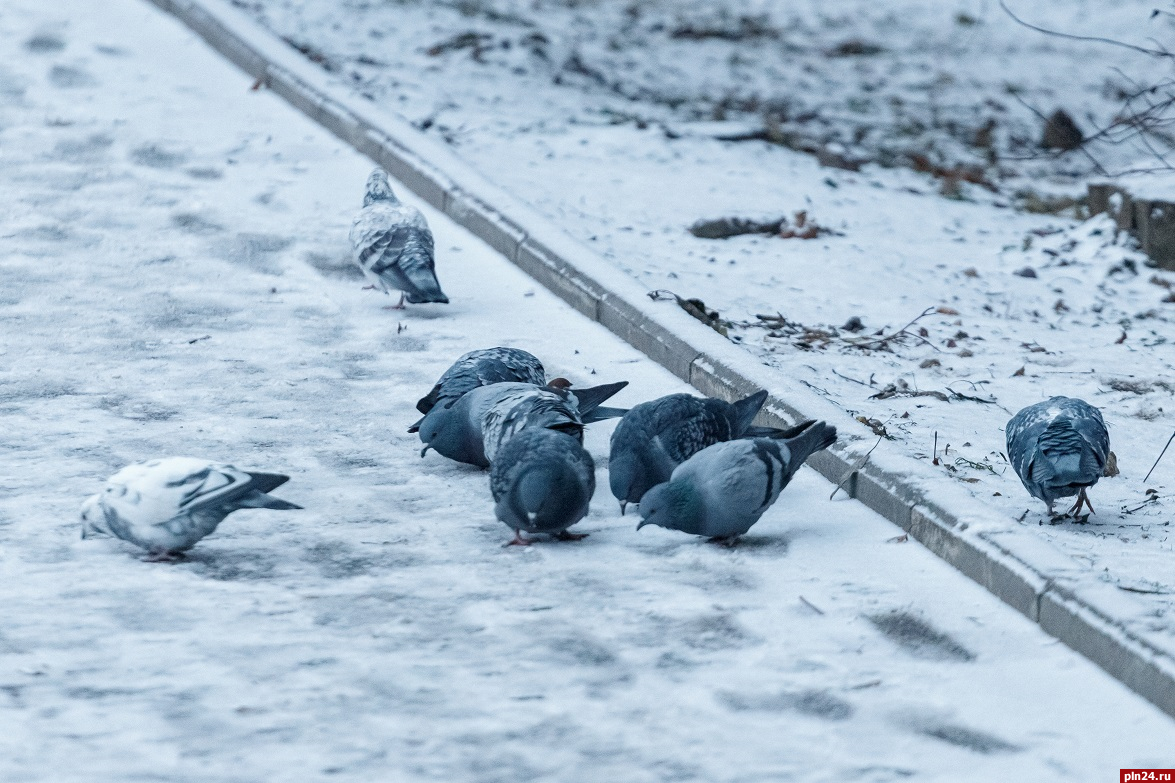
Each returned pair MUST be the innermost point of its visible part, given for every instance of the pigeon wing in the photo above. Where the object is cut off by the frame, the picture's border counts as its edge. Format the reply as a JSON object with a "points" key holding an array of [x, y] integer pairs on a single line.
{"points": [[481, 368]]}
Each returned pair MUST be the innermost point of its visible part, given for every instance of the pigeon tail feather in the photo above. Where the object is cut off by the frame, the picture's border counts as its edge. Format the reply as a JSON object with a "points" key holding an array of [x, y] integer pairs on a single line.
{"points": [[777, 433], [588, 400], [744, 412], [417, 267], [266, 482], [1068, 458], [601, 413], [816, 436], [258, 499]]}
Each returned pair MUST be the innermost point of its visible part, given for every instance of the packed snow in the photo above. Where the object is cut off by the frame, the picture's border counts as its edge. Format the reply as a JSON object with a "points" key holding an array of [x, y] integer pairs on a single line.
{"points": [[178, 281], [1005, 307]]}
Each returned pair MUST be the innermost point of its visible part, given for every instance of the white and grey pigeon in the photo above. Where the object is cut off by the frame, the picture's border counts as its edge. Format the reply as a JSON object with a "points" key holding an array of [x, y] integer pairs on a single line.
{"points": [[1059, 448], [542, 481], [655, 437], [481, 368], [474, 428], [166, 505], [723, 489], [393, 245]]}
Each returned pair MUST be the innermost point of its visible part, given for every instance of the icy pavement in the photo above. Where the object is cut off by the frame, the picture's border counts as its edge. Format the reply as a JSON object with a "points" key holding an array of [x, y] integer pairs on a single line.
{"points": [[177, 280], [1032, 305]]}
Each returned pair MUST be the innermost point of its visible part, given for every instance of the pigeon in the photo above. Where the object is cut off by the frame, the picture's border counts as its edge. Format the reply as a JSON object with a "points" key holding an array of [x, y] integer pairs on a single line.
{"points": [[481, 368], [1059, 448], [166, 505], [656, 436], [481, 422], [723, 489], [393, 245], [542, 481]]}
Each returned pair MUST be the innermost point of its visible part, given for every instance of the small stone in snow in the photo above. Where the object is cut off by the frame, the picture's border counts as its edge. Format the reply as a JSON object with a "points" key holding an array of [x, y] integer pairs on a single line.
{"points": [[1061, 132], [1025, 272]]}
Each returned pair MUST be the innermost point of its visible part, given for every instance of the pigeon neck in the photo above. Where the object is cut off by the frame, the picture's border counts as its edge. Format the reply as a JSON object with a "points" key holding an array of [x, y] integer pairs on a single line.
{"points": [[687, 506]]}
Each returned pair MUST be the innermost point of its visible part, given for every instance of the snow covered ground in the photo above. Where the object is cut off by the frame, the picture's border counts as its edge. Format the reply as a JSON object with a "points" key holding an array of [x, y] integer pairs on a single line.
{"points": [[177, 280], [957, 84], [1031, 305]]}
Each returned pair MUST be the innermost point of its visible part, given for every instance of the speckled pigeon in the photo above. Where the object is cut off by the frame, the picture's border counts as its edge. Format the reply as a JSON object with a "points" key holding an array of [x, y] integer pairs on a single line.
{"points": [[481, 368], [1059, 448], [393, 245], [655, 437], [723, 489], [166, 505], [542, 481], [483, 420]]}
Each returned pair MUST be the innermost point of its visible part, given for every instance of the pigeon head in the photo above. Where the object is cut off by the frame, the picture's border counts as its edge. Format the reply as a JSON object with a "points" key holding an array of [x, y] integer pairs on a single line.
{"points": [[550, 496], [378, 188], [675, 505], [433, 427], [94, 518], [441, 430], [627, 475]]}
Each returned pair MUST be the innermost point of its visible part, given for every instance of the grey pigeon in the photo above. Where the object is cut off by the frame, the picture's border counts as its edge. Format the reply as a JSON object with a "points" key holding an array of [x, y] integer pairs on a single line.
{"points": [[166, 505], [483, 420], [655, 437], [481, 368], [393, 245], [1059, 448], [723, 489], [542, 481]]}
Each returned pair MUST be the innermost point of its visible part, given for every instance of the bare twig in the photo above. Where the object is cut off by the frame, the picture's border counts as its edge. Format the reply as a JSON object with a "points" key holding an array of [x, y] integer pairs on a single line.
{"points": [[860, 464], [1139, 590], [847, 378], [1161, 453], [1160, 52], [1097, 164], [811, 605], [1151, 499], [1143, 118], [890, 337]]}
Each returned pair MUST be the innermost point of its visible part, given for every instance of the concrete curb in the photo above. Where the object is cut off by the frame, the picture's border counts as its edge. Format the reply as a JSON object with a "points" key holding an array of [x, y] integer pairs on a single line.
{"points": [[1150, 221], [1022, 570]]}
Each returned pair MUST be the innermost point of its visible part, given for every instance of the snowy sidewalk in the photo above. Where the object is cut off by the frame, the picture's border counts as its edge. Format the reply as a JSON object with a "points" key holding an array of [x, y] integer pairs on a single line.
{"points": [[177, 280], [1018, 307]]}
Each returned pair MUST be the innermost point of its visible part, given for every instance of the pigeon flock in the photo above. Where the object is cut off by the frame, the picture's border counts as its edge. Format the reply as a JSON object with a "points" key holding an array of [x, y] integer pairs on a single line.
{"points": [[697, 465]]}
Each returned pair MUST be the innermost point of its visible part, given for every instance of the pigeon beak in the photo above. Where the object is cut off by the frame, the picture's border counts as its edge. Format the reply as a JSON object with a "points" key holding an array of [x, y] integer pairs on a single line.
{"points": [[623, 506], [642, 524], [424, 451]]}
